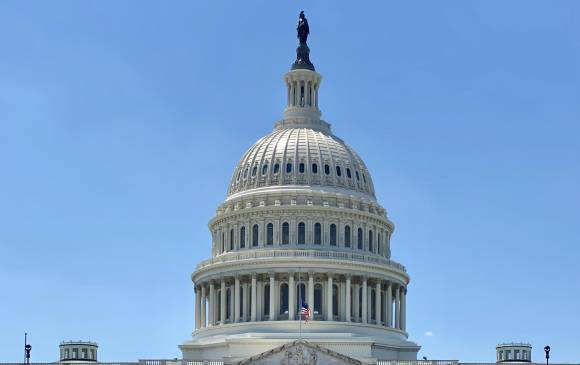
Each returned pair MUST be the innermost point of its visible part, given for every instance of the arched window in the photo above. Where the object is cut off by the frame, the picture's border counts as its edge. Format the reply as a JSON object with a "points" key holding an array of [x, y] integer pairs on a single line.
{"points": [[270, 234], [370, 240], [242, 237], [219, 306], [289, 167], [266, 300], [346, 236], [317, 299], [264, 169], [301, 167], [360, 296], [356, 174], [285, 233], [301, 233], [333, 234], [338, 171], [300, 295], [254, 171], [276, 167], [379, 243], [348, 173], [373, 306], [364, 178], [246, 173], [232, 233], [317, 234], [360, 239], [239, 175], [241, 303], [255, 230], [284, 298], [228, 303], [314, 168], [335, 300], [327, 169]]}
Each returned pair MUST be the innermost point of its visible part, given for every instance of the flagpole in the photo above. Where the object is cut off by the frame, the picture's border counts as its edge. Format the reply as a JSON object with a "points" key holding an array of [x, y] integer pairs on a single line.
{"points": [[300, 307]]}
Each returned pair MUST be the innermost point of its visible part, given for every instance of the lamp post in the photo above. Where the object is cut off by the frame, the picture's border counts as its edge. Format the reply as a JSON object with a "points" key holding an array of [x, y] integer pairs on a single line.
{"points": [[547, 350], [27, 349]]}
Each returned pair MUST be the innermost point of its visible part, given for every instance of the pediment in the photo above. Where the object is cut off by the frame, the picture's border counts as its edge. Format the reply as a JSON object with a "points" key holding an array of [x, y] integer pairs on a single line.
{"points": [[300, 352]]}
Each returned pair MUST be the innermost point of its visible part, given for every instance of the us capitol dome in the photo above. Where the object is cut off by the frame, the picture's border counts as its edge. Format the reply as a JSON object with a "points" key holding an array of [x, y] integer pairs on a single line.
{"points": [[300, 227]]}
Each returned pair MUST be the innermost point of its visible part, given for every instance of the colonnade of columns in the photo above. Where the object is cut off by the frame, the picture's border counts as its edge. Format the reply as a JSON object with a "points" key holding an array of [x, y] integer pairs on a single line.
{"points": [[278, 296], [302, 93]]}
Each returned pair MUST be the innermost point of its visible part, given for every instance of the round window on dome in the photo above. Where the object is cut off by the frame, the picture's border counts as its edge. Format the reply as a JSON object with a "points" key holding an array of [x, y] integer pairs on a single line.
{"points": [[276, 167], [338, 171], [314, 168], [327, 169]]}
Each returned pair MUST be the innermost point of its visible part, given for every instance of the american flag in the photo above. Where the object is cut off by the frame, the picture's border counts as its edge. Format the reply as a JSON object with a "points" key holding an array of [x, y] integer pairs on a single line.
{"points": [[305, 311]]}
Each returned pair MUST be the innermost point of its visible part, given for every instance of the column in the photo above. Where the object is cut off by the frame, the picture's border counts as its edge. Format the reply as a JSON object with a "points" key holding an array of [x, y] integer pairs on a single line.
{"points": [[364, 300], [329, 298], [403, 308], [272, 296], [203, 304], [347, 298], [384, 309], [237, 299], [356, 302], [398, 308], [223, 301], [311, 293], [291, 297], [211, 303], [254, 297], [389, 305], [378, 302], [197, 308], [245, 300], [232, 304], [260, 301]]}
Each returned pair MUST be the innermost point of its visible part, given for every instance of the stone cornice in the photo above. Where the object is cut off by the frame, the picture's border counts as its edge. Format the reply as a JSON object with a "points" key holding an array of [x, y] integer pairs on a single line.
{"points": [[306, 260], [296, 210]]}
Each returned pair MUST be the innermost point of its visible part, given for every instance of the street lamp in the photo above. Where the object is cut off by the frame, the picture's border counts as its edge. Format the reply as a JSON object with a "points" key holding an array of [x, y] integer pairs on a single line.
{"points": [[547, 350]]}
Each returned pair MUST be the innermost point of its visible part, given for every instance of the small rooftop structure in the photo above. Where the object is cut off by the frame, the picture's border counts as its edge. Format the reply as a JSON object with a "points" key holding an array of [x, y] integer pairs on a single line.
{"points": [[513, 352], [78, 351]]}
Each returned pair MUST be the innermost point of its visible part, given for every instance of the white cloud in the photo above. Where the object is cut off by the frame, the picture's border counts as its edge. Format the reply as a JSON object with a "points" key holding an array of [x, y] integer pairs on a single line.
{"points": [[429, 334]]}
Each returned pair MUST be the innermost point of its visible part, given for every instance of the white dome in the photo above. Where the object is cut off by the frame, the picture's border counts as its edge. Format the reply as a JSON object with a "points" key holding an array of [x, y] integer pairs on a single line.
{"points": [[302, 155]]}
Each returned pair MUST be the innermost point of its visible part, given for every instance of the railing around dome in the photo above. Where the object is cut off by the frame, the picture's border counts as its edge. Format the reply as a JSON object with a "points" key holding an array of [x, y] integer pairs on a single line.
{"points": [[319, 254], [417, 362]]}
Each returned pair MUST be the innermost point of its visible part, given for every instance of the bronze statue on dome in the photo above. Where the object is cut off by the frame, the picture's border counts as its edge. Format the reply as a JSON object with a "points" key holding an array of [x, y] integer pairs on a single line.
{"points": [[302, 28]]}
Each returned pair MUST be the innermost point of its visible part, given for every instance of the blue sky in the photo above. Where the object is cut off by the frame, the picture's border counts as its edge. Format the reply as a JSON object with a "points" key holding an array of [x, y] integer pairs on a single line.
{"points": [[121, 122]]}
